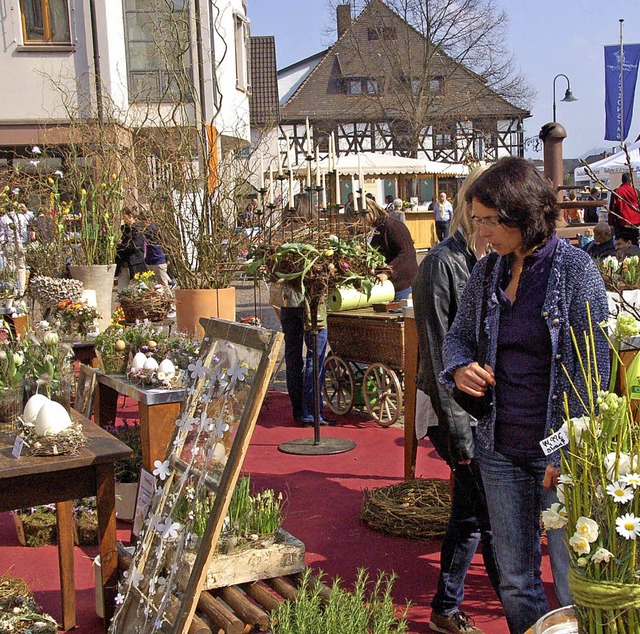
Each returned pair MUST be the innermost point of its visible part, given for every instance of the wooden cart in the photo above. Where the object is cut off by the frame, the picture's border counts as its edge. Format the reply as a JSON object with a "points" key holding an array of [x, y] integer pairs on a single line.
{"points": [[366, 361]]}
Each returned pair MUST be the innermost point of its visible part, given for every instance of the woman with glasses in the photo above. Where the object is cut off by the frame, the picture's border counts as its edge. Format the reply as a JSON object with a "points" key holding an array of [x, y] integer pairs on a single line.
{"points": [[537, 289]]}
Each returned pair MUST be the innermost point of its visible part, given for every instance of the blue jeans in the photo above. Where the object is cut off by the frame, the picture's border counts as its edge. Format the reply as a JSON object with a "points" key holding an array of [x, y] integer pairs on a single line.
{"points": [[299, 370], [403, 294], [515, 499], [468, 526]]}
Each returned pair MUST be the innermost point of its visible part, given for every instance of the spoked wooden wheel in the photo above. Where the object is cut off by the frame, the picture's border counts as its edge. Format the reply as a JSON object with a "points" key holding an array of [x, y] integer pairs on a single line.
{"points": [[339, 386], [382, 394]]}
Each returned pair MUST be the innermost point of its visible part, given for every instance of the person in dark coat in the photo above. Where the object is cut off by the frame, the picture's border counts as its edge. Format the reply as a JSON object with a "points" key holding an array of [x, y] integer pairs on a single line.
{"points": [[392, 238], [130, 248], [603, 243], [437, 291], [155, 257]]}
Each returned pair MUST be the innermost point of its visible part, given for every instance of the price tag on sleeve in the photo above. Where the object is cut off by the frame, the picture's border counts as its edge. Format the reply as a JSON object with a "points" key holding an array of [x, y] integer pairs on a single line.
{"points": [[17, 446], [554, 442]]}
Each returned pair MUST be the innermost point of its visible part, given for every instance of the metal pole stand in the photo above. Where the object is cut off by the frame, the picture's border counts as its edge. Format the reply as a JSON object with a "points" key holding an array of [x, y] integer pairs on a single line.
{"points": [[316, 446]]}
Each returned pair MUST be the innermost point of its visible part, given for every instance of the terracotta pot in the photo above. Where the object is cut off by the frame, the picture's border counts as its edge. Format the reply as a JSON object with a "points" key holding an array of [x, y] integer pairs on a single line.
{"points": [[99, 278], [191, 305]]}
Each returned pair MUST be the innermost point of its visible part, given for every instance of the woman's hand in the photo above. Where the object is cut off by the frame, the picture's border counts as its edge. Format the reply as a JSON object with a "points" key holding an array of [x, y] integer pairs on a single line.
{"points": [[474, 379], [551, 476], [383, 277]]}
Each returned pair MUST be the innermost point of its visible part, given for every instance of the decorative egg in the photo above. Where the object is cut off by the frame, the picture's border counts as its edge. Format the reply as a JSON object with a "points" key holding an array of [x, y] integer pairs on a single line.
{"points": [[150, 364], [138, 361], [168, 368], [152, 344], [33, 406], [52, 419], [120, 345]]}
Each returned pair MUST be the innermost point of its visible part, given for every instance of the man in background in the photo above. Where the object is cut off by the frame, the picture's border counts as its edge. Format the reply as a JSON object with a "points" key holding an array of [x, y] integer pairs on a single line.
{"points": [[442, 210], [624, 205]]}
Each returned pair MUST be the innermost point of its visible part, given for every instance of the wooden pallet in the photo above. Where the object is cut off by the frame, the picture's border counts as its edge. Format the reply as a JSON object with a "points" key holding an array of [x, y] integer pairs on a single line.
{"points": [[238, 609]]}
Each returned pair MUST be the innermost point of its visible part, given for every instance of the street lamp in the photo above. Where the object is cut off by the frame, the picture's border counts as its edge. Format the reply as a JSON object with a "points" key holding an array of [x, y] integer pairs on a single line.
{"points": [[568, 95]]}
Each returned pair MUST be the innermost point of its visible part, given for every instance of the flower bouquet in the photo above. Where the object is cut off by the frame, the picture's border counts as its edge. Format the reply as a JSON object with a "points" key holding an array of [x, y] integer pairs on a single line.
{"points": [[76, 317], [144, 298], [599, 493]]}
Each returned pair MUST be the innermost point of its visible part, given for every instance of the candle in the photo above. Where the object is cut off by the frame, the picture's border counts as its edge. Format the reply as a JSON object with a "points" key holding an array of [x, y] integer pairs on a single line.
{"points": [[317, 166], [330, 155], [261, 173], [308, 181], [286, 136], [309, 148], [290, 189], [324, 192], [279, 162], [337, 185], [335, 151], [270, 184], [355, 193]]}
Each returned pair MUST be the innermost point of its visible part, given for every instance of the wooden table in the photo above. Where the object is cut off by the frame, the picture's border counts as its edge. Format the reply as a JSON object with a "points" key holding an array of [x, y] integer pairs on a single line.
{"points": [[158, 409], [31, 481]]}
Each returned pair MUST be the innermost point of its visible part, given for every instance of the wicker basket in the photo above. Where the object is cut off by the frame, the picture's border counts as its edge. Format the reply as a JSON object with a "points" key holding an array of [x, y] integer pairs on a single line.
{"points": [[417, 508], [115, 363], [152, 305]]}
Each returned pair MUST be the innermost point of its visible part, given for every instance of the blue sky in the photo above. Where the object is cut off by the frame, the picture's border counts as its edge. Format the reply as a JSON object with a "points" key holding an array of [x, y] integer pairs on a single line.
{"points": [[547, 37]]}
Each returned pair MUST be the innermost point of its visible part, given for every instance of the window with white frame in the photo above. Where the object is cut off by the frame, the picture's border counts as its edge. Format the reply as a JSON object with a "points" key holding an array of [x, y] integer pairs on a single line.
{"points": [[45, 21], [242, 35], [158, 48]]}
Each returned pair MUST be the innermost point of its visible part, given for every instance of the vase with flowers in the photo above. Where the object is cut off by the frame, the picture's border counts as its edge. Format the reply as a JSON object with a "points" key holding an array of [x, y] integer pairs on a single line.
{"points": [[12, 369], [599, 503], [76, 318]]}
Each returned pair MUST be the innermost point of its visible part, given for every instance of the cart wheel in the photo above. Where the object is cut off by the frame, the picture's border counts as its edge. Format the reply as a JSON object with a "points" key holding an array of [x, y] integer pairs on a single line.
{"points": [[382, 394], [339, 386]]}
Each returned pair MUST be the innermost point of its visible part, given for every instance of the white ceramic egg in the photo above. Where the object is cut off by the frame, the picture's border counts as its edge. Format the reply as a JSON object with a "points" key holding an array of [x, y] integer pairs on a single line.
{"points": [[138, 361], [150, 364], [33, 406], [168, 368], [52, 419]]}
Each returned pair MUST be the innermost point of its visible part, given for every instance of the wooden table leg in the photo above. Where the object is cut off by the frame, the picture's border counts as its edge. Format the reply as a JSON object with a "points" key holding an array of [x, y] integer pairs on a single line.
{"points": [[64, 522], [157, 424], [410, 372], [105, 405], [105, 503]]}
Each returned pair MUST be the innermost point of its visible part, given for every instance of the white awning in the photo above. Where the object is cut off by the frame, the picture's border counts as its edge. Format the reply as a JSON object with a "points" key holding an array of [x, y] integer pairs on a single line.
{"points": [[373, 164], [614, 164]]}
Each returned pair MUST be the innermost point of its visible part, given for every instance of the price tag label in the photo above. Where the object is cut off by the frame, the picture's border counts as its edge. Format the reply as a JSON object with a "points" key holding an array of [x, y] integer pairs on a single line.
{"points": [[17, 446], [554, 442]]}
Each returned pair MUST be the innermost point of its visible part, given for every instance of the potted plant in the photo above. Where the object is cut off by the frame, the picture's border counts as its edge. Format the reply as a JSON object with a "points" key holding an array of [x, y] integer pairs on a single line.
{"points": [[127, 472], [144, 298], [76, 319]]}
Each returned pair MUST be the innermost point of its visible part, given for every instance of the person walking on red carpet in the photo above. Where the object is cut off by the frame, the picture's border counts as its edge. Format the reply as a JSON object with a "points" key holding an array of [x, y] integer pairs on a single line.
{"points": [[436, 294]]}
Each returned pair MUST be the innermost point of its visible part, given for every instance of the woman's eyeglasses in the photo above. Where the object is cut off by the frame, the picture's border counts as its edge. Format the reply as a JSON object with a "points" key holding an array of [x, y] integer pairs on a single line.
{"points": [[492, 223]]}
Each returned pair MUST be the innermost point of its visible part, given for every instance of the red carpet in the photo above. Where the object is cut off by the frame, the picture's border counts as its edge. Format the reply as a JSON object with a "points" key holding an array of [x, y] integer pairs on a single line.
{"points": [[324, 496]]}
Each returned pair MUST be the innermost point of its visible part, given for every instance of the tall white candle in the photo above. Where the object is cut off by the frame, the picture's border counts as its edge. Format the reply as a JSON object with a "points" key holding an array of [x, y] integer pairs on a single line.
{"points": [[286, 136], [279, 161], [324, 191], [317, 166], [290, 189], [355, 193], [270, 184], [261, 173], [308, 181], [309, 148]]}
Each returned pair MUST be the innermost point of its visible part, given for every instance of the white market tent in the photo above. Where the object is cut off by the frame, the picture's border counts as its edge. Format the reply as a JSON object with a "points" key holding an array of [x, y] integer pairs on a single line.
{"points": [[614, 164], [374, 164]]}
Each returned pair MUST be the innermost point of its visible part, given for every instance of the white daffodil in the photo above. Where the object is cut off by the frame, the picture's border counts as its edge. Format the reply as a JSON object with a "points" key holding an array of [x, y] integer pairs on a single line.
{"points": [[565, 479], [611, 263], [587, 528], [632, 479], [620, 493], [602, 555], [554, 517], [628, 526], [18, 359], [580, 544], [579, 425], [582, 562], [617, 465], [162, 469]]}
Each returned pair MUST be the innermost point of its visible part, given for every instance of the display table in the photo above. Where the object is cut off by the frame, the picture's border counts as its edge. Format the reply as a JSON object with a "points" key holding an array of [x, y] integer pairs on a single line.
{"points": [[422, 227], [158, 409], [32, 481]]}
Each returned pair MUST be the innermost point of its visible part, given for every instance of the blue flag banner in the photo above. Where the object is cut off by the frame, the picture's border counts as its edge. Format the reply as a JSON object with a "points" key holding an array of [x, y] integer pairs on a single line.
{"points": [[614, 106]]}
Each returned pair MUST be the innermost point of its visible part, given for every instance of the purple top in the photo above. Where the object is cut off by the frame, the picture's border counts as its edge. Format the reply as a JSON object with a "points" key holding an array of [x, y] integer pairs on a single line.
{"points": [[523, 361]]}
